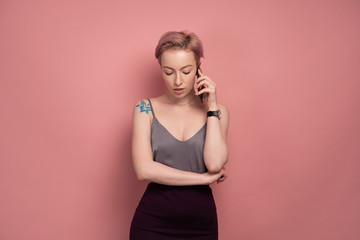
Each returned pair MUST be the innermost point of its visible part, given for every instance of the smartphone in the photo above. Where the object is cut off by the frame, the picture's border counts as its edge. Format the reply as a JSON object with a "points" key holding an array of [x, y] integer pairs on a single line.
{"points": [[198, 75]]}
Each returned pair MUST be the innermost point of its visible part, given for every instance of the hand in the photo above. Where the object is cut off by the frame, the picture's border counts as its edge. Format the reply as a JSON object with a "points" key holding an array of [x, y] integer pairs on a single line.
{"points": [[223, 177], [216, 177], [208, 89]]}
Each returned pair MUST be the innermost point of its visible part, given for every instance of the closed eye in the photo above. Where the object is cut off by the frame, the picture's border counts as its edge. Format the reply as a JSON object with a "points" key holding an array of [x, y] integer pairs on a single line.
{"points": [[186, 72], [168, 73]]}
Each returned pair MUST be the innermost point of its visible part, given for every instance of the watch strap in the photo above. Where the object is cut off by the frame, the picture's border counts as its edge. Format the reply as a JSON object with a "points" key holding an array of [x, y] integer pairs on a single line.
{"points": [[214, 114]]}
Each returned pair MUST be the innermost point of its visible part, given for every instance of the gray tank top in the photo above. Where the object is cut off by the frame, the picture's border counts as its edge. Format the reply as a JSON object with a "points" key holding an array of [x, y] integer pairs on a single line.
{"points": [[184, 155]]}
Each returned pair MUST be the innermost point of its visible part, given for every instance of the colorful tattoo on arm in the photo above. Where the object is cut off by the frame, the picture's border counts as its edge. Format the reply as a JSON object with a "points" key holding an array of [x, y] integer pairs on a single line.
{"points": [[144, 107]]}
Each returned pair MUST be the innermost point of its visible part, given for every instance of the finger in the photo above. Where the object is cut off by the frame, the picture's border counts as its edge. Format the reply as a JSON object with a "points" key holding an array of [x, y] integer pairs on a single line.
{"points": [[200, 79], [195, 88], [220, 180], [205, 78], [206, 83], [205, 90]]}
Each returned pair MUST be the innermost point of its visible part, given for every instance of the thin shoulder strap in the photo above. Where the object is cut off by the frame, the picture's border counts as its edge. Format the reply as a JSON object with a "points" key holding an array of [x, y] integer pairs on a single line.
{"points": [[151, 107]]}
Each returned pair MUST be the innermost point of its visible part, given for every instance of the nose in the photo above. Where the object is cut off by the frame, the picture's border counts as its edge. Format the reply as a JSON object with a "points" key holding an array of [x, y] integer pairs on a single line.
{"points": [[178, 80]]}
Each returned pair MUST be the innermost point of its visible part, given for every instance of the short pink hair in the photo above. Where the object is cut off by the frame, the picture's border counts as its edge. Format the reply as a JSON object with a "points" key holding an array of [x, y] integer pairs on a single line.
{"points": [[184, 40]]}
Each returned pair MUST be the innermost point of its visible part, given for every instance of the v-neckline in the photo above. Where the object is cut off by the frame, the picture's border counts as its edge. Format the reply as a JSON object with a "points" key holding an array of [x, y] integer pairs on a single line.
{"points": [[154, 118]]}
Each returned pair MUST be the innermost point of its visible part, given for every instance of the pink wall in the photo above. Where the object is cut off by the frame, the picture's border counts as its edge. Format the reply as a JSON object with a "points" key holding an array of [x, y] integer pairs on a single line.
{"points": [[72, 71]]}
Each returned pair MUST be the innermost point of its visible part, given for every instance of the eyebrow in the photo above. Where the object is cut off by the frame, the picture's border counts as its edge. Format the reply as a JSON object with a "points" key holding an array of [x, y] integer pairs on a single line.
{"points": [[180, 68]]}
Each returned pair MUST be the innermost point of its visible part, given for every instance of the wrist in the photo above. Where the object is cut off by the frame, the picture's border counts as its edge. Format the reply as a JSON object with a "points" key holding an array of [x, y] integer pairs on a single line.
{"points": [[216, 114], [206, 178], [213, 107]]}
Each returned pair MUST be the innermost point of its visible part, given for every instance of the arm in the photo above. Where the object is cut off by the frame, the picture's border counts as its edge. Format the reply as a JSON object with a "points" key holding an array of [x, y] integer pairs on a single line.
{"points": [[147, 169], [215, 149]]}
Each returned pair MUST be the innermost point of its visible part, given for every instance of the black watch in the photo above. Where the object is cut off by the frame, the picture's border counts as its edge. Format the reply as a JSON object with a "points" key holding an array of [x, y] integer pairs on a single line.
{"points": [[214, 114]]}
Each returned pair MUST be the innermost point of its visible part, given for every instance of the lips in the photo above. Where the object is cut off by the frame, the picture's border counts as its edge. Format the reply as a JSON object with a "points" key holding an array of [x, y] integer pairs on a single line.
{"points": [[179, 90]]}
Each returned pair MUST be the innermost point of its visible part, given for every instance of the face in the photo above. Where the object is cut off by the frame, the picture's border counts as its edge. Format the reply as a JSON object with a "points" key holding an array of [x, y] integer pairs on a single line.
{"points": [[178, 70]]}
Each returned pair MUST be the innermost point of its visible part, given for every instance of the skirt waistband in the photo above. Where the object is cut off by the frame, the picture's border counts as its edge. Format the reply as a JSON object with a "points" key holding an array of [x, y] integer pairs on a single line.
{"points": [[171, 187]]}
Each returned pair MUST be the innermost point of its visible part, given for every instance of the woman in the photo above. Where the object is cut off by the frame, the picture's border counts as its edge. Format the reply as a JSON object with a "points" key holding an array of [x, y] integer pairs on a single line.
{"points": [[179, 145]]}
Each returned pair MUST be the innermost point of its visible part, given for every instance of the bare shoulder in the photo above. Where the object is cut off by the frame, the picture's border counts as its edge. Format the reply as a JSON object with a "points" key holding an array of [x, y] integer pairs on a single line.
{"points": [[158, 103], [158, 100], [142, 108]]}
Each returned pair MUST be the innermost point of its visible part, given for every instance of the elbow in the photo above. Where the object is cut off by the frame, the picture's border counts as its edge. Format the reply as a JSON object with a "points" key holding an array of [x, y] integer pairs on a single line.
{"points": [[140, 175], [214, 169], [144, 171], [216, 165], [215, 162]]}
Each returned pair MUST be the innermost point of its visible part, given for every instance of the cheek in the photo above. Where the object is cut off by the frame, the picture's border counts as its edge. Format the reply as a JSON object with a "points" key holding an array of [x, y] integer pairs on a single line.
{"points": [[190, 78], [167, 79]]}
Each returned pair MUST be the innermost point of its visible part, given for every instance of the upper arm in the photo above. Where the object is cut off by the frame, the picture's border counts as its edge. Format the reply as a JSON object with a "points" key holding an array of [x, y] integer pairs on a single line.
{"points": [[224, 121], [141, 142]]}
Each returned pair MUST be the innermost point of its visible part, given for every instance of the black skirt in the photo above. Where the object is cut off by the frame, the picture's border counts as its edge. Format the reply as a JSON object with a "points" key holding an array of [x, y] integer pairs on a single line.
{"points": [[175, 212]]}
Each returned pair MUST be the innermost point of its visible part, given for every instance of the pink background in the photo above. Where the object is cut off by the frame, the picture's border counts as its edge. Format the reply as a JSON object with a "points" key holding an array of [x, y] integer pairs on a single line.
{"points": [[71, 72]]}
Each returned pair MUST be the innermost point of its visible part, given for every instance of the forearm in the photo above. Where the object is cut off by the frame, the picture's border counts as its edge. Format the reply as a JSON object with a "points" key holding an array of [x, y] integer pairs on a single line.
{"points": [[160, 173], [215, 149]]}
